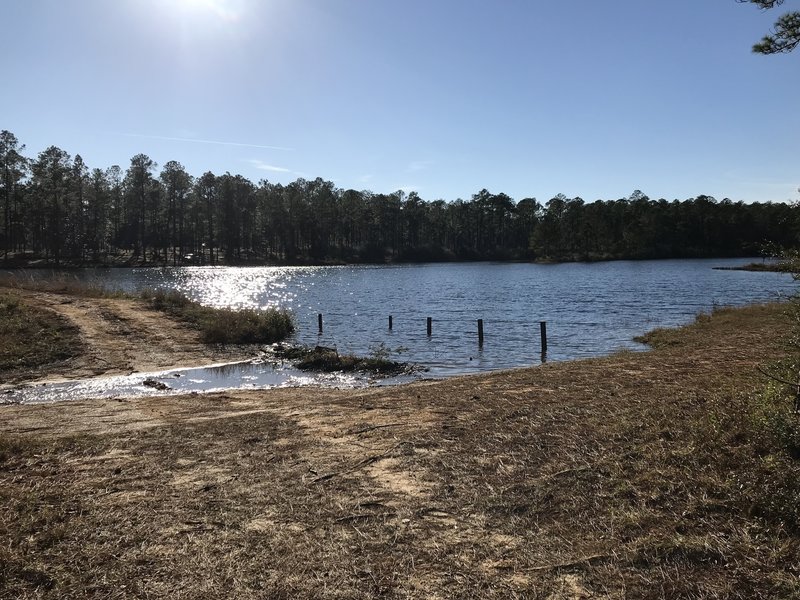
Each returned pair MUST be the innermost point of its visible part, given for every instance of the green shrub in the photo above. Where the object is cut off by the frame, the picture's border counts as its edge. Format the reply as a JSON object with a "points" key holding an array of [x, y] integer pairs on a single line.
{"points": [[776, 424], [165, 300]]}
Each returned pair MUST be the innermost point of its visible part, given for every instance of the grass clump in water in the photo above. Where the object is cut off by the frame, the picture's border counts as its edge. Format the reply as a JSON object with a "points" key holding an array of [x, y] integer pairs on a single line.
{"points": [[224, 325], [328, 360]]}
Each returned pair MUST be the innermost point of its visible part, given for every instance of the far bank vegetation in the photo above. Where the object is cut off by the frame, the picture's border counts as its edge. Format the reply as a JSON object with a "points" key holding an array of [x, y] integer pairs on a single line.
{"points": [[58, 211]]}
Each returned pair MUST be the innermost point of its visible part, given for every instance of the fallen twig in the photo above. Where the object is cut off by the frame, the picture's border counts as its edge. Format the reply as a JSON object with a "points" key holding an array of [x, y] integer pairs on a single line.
{"points": [[581, 562], [365, 429], [565, 471], [359, 516], [363, 463], [778, 379]]}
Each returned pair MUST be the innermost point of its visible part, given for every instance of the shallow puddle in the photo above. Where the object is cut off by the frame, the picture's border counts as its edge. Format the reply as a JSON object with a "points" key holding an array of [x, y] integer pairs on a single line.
{"points": [[242, 375]]}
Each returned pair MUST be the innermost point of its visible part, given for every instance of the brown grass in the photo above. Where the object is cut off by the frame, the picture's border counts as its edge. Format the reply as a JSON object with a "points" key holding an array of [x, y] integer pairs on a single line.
{"points": [[223, 325], [640, 475], [59, 284], [31, 337]]}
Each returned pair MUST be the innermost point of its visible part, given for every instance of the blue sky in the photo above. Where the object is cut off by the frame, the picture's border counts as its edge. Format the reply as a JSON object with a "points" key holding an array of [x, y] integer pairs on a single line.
{"points": [[445, 97]]}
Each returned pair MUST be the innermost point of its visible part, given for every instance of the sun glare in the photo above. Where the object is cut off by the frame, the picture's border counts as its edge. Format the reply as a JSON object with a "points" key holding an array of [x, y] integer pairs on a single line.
{"points": [[227, 10]]}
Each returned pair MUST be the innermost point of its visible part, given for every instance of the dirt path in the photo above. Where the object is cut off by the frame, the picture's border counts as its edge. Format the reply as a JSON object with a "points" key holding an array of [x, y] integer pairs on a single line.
{"points": [[123, 336]]}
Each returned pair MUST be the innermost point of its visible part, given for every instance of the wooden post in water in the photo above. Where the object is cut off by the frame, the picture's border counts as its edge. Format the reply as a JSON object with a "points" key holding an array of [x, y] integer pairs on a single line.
{"points": [[390, 322], [319, 321], [430, 327], [543, 332], [480, 333]]}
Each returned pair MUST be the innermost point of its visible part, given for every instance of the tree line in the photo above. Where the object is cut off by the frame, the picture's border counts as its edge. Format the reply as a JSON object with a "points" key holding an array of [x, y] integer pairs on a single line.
{"points": [[58, 209]]}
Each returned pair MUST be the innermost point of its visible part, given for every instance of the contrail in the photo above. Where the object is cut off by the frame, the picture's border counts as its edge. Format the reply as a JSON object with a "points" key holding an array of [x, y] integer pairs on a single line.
{"points": [[217, 142]]}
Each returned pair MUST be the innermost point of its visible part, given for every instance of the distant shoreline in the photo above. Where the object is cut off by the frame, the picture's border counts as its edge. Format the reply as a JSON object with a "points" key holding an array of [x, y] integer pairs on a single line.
{"points": [[123, 262], [765, 267]]}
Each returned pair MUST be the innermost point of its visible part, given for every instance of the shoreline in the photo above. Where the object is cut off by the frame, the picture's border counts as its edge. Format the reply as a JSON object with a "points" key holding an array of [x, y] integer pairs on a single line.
{"points": [[119, 336], [42, 264], [123, 337], [770, 267]]}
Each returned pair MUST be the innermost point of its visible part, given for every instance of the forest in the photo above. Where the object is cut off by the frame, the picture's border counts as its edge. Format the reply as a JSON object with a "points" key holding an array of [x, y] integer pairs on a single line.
{"points": [[58, 210]]}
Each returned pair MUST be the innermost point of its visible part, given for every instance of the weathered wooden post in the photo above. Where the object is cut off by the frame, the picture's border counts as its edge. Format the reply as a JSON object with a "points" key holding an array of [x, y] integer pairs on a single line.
{"points": [[543, 332], [390, 322], [319, 321], [430, 327], [480, 333]]}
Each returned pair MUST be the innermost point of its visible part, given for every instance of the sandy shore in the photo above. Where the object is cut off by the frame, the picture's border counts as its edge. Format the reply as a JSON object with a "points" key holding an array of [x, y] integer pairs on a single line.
{"points": [[612, 477]]}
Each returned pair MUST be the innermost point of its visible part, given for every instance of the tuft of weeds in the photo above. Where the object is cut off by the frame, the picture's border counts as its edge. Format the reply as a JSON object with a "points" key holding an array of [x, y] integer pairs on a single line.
{"points": [[767, 431], [328, 360], [222, 325], [776, 426], [13, 447]]}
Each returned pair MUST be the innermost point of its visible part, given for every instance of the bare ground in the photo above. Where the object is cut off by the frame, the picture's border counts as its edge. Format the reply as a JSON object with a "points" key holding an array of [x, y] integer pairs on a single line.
{"points": [[623, 477], [120, 336]]}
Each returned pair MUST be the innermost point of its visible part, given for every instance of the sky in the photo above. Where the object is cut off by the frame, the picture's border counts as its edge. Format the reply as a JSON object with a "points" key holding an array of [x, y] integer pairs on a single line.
{"points": [[443, 97]]}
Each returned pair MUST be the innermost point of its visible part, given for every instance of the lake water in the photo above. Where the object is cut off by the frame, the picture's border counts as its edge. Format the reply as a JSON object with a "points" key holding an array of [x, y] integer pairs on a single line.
{"points": [[591, 309]]}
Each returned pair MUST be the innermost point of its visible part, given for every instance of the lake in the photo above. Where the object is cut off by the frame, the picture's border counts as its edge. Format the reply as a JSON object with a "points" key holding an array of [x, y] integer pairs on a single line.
{"points": [[591, 309]]}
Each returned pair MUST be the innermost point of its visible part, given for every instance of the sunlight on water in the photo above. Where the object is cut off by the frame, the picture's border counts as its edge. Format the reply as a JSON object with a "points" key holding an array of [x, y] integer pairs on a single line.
{"points": [[264, 287]]}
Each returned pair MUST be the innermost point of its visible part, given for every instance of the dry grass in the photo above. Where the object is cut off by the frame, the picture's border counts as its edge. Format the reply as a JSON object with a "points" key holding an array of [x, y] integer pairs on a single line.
{"points": [[635, 476], [59, 284], [31, 337], [221, 325]]}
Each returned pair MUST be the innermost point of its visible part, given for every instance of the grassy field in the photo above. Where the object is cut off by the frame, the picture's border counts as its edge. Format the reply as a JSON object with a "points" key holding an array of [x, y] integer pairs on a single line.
{"points": [[665, 474]]}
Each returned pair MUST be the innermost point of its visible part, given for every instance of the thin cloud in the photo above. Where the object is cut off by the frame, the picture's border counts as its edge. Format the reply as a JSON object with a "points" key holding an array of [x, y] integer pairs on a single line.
{"points": [[758, 181], [365, 178], [419, 165], [262, 166], [199, 141]]}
